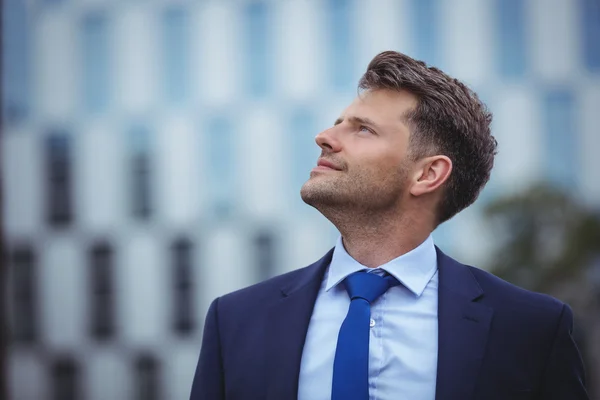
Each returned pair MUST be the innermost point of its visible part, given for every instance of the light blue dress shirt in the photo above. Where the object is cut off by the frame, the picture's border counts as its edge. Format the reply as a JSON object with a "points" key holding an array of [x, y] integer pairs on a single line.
{"points": [[403, 344]]}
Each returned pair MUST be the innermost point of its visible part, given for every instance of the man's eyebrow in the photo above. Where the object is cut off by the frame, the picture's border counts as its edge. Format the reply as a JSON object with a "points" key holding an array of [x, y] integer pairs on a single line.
{"points": [[365, 121], [357, 120]]}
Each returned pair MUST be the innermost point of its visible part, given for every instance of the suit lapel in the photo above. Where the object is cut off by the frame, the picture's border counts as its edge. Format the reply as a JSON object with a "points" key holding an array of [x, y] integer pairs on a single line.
{"points": [[462, 330], [288, 321]]}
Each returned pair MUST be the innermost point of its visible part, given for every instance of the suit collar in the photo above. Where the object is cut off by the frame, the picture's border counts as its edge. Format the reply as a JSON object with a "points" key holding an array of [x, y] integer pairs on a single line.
{"points": [[288, 321], [308, 275], [463, 327], [457, 278]]}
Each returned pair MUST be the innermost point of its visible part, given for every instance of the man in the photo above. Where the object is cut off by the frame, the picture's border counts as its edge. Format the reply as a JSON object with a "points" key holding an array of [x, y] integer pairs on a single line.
{"points": [[385, 314]]}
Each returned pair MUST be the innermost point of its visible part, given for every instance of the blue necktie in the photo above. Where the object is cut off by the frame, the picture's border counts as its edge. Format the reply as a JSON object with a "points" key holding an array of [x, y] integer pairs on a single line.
{"points": [[351, 363]]}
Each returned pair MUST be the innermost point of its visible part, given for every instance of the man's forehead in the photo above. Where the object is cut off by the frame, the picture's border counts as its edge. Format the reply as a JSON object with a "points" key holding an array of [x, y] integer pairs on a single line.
{"points": [[381, 106]]}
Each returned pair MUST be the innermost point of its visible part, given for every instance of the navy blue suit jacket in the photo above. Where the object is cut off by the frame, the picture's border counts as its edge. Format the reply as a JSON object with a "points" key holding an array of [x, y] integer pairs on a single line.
{"points": [[496, 341]]}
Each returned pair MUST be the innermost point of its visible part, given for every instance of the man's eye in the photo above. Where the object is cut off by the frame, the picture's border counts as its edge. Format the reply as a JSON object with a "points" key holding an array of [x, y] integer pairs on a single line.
{"points": [[363, 128]]}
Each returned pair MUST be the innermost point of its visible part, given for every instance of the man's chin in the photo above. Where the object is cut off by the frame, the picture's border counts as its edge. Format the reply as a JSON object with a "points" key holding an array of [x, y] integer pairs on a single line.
{"points": [[316, 196]]}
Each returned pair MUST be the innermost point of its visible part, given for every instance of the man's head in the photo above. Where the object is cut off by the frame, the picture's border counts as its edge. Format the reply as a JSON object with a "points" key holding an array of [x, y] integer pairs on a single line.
{"points": [[413, 135]]}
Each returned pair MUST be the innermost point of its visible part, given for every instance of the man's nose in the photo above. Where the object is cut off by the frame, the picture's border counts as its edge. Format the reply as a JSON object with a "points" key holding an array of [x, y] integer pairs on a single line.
{"points": [[328, 140]]}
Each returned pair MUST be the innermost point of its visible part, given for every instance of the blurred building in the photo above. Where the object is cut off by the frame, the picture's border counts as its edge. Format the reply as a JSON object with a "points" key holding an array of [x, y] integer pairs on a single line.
{"points": [[153, 152]]}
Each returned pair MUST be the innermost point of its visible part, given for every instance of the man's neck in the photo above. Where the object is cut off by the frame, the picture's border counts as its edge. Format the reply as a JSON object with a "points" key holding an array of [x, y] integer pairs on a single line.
{"points": [[376, 240]]}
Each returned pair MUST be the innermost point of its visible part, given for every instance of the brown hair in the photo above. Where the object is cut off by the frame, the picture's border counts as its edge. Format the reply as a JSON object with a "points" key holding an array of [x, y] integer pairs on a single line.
{"points": [[449, 119]]}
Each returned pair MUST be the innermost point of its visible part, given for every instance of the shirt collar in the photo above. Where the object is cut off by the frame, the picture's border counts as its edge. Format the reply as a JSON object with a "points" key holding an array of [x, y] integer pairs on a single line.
{"points": [[413, 269]]}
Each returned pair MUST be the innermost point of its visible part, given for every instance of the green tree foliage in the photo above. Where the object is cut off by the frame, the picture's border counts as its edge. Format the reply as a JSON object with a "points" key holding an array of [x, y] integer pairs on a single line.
{"points": [[546, 239]]}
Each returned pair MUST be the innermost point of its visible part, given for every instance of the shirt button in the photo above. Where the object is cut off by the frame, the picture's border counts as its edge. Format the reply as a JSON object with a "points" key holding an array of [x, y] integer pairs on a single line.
{"points": [[372, 323]]}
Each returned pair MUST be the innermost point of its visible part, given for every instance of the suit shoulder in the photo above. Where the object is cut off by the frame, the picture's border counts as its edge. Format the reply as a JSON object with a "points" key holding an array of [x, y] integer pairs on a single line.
{"points": [[271, 285], [509, 294]]}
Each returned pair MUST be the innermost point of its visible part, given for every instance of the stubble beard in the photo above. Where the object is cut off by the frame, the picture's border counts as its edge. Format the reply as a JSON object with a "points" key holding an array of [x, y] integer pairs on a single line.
{"points": [[343, 197]]}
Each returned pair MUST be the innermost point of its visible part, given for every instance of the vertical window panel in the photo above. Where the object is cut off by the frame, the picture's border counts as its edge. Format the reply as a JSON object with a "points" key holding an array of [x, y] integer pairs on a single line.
{"points": [[102, 300], [258, 66], [59, 179], [16, 76], [511, 38], [341, 54], [96, 69], [65, 380], [25, 308], [147, 376], [175, 55], [221, 164], [183, 286], [140, 172], [426, 31], [559, 116], [590, 31], [264, 251], [304, 151]]}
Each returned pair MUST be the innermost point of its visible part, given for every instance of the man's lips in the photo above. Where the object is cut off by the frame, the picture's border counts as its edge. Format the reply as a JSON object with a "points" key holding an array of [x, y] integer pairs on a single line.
{"points": [[326, 165]]}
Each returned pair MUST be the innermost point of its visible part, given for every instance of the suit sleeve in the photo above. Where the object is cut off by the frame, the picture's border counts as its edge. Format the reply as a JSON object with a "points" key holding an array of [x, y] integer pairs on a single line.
{"points": [[209, 381], [565, 376]]}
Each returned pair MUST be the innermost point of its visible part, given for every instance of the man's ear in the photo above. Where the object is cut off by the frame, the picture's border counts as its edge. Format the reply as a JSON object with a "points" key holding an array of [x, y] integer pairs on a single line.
{"points": [[430, 173]]}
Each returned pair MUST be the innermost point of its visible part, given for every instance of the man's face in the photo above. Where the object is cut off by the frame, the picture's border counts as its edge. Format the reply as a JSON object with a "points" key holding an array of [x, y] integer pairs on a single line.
{"points": [[364, 164]]}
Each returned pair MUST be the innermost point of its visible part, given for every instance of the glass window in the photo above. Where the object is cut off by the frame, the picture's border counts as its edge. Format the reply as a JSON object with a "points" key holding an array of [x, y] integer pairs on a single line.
{"points": [[175, 54], [183, 286], [304, 151], [141, 172], [221, 164], [258, 60], [341, 55], [147, 378], [426, 31], [65, 380], [16, 77], [512, 48], [561, 138], [96, 72], [25, 311], [102, 300], [264, 250], [59, 179], [590, 14]]}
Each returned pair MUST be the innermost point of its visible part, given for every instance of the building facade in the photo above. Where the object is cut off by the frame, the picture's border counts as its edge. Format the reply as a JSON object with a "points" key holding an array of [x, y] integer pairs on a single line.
{"points": [[153, 153]]}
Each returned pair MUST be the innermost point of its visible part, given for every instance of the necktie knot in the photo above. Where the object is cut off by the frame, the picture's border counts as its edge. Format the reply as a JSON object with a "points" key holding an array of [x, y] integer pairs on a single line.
{"points": [[368, 286]]}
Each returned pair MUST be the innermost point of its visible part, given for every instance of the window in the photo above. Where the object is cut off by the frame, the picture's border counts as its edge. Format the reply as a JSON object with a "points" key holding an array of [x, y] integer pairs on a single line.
{"points": [[141, 173], [511, 46], [341, 57], [95, 51], [147, 378], [590, 14], [561, 140], [426, 31], [16, 77], [258, 60], [304, 152], [175, 51], [58, 168], [25, 311], [183, 285], [65, 380], [264, 248], [102, 318], [221, 164]]}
